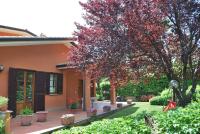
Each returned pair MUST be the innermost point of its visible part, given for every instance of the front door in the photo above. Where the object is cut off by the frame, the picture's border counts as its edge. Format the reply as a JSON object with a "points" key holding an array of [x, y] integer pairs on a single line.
{"points": [[80, 93], [25, 90]]}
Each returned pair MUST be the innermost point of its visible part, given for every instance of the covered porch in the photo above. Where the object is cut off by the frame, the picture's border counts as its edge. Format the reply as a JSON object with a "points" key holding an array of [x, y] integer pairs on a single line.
{"points": [[81, 88]]}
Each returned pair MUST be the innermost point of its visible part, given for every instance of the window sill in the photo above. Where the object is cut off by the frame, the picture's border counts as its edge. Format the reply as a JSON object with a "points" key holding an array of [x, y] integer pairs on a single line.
{"points": [[54, 94]]}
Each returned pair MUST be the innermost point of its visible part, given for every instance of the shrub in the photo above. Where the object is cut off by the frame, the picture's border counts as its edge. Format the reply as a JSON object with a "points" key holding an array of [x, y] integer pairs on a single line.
{"points": [[103, 89], [196, 96], [162, 99], [74, 105], [26, 111], [128, 125], [100, 97], [159, 100], [3, 100], [166, 93], [2, 127], [150, 86], [179, 121]]}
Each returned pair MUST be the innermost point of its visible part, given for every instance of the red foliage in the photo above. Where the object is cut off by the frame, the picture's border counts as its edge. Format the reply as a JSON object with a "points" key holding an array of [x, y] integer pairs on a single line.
{"points": [[171, 105], [127, 39], [73, 100]]}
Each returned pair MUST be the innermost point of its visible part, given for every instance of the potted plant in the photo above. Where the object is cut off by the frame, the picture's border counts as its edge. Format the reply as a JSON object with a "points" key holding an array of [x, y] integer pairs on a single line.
{"points": [[26, 116], [73, 105], [3, 103]]}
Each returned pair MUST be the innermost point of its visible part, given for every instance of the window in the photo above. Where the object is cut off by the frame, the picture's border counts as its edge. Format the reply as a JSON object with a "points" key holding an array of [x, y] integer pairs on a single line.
{"points": [[24, 86], [55, 83]]}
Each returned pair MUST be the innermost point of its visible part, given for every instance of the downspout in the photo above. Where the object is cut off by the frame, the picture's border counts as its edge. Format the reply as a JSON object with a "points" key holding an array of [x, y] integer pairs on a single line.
{"points": [[84, 102], [84, 98]]}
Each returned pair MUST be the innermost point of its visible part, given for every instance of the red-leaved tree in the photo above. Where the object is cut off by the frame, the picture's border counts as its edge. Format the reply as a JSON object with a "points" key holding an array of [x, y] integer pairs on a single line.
{"points": [[126, 38]]}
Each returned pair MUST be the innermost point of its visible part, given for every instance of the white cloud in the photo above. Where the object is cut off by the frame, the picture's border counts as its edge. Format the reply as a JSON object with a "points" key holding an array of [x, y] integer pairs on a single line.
{"points": [[51, 17]]}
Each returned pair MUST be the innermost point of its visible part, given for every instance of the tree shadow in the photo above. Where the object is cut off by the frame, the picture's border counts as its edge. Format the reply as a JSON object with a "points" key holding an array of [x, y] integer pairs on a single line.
{"points": [[123, 112]]}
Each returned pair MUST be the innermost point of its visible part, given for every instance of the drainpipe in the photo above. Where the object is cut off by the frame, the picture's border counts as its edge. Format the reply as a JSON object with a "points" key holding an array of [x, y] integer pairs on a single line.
{"points": [[84, 99]]}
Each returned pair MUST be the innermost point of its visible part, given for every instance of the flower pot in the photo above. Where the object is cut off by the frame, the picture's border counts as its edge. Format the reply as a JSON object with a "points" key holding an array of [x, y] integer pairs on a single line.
{"points": [[129, 101], [26, 120], [41, 116], [92, 112], [3, 107], [106, 108], [67, 119], [119, 105]]}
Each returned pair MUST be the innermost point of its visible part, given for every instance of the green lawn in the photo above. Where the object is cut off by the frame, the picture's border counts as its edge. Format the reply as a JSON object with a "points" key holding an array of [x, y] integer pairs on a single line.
{"points": [[135, 109]]}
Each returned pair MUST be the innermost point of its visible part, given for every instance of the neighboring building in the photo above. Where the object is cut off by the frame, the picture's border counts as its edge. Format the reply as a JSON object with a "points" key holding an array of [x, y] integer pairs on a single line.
{"points": [[32, 74]]}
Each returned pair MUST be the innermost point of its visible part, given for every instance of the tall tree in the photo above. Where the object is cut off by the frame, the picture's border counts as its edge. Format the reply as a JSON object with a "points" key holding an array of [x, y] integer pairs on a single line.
{"points": [[167, 32], [137, 37], [103, 42]]}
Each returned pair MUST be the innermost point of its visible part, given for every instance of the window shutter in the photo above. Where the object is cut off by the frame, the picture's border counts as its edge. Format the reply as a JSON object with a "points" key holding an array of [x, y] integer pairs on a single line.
{"points": [[60, 83], [12, 90], [47, 83], [39, 100]]}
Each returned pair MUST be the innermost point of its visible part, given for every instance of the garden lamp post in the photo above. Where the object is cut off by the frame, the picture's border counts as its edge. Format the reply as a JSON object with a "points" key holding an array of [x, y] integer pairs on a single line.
{"points": [[174, 85]]}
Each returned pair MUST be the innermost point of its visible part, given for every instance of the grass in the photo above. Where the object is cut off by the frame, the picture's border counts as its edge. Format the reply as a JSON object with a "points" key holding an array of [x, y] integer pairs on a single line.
{"points": [[135, 109]]}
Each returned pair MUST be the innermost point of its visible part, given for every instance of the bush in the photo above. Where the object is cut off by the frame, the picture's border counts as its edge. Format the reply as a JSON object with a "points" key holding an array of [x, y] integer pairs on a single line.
{"points": [[159, 100], [179, 121], [162, 99], [196, 96], [166, 93], [100, 97], [26, 111], [74, 105], [128, 125], [2, 127], [150, 86], [3, 100], [103, 89]]}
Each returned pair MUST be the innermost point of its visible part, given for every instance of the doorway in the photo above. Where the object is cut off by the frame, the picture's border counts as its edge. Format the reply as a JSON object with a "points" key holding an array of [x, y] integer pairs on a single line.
{"points": [[25, 90]]}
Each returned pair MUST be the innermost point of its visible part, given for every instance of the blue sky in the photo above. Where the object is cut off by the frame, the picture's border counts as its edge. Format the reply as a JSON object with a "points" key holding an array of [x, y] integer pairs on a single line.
{"points": [[50, 17]]}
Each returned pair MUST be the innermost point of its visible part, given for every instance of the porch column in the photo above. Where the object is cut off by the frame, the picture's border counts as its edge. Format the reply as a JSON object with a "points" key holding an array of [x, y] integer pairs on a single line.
{"points": [[112, 92], [95, 88], [87, 98]]}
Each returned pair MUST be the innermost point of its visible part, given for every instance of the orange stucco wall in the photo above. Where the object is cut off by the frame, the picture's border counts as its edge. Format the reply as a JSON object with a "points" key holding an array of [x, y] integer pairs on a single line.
{"points": [[39, 58], [72, 80]]}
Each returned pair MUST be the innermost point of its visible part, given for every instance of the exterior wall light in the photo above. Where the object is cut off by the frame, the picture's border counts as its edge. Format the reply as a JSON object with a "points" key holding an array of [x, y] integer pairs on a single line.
{"points": [[1, 67]]}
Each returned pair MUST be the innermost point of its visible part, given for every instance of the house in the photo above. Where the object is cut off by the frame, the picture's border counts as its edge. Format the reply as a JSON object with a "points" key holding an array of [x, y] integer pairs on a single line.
{"points": [[34, 72]]}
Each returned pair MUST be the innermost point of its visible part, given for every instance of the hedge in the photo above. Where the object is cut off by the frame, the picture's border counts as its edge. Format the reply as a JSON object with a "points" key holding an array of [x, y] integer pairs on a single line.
{"points": [[125, 125]]}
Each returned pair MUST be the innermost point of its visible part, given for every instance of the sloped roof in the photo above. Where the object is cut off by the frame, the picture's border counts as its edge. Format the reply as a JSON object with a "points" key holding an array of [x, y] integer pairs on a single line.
{"points": [[18, 30], [30, 41]]}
